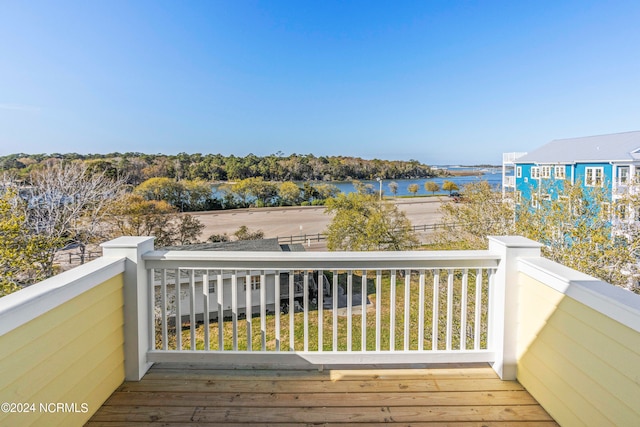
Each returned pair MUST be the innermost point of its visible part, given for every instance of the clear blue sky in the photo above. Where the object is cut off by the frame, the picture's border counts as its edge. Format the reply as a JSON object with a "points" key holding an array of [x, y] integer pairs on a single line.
{"points": [[441, 82]]}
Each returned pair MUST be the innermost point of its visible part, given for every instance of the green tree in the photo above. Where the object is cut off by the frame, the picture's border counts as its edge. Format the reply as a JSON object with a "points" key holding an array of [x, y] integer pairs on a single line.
{"points": [[289, 193], [431, 186], [187, 229], [197, 196], [482, 213], [257, 188], [23, 254], [450, 186], [325, 191], [576, 227], [413, 188], [215, 238], [244, 233], [309, 192], [361, 222], [132, 215], [582, 229], [363, 188], [166, 189]]}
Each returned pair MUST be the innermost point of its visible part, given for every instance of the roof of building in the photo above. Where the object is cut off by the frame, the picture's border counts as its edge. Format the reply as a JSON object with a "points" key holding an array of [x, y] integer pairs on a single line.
{"points": [[612, 147], [261, 245]]}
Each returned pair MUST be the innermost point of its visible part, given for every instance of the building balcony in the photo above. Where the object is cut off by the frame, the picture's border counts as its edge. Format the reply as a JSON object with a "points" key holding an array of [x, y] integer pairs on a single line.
{"points": [[510, 158], [509, 181], [178, 337]]}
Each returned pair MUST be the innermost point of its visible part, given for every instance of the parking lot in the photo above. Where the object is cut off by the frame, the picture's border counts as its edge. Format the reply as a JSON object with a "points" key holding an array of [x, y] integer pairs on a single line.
{"points": [[303, 220]]}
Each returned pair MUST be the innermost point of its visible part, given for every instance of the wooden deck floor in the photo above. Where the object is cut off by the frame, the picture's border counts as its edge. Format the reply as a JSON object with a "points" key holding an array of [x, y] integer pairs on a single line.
{"points": [[180, 395]]}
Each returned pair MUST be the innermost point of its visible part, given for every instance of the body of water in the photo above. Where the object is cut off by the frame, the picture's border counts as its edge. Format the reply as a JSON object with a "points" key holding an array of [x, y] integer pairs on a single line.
{"points": [[494, 179]]}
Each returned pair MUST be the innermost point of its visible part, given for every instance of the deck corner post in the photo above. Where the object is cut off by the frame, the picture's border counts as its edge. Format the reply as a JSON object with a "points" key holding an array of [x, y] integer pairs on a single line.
{"points": [[136, 302], [503, 303]]}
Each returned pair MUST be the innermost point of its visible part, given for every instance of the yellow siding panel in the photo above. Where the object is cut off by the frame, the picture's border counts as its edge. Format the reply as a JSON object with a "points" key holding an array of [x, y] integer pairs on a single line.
{"points": [[589, 361], [81, 354], [549, 395], [40, 327], [94, 377], [83, 334], [536, 304], [591, 379], [565, 405], [604, 324], [624, 360], [72, 354], [105, 383]]}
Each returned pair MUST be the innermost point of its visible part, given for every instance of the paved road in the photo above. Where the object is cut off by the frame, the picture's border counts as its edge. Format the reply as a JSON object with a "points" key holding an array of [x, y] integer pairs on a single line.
{"points": [[295, 221]]}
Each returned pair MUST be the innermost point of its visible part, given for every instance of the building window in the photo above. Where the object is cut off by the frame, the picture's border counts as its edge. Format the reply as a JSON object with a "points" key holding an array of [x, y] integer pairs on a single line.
{"points": [[518, 197], [212, 287], [593, 177], [255, 283], [535, 172], [545, 172], [534, 201], [621, 212], [623, 175], [560, 172], [519, 172]]}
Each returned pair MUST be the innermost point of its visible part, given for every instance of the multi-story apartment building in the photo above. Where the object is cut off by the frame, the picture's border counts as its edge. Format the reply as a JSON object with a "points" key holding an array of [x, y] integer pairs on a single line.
{"points": [[609, 161]]}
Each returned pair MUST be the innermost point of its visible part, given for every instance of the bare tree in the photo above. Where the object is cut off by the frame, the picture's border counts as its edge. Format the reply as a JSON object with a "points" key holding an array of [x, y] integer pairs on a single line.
{"points": [[393, 186], [68, 205]]}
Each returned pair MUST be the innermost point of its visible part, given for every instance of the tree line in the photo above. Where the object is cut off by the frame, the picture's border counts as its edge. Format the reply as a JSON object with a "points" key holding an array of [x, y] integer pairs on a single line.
{"points": [[67, 204], [138, 167]]}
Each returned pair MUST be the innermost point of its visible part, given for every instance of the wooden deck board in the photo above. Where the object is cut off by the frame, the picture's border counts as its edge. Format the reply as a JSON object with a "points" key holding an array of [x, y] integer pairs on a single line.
{"points": [[183, 395], [373, 399], [261, 424]]}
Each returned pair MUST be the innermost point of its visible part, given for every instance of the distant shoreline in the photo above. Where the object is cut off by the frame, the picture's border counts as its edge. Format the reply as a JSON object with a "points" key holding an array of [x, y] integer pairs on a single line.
{"points": [[463, 173]]}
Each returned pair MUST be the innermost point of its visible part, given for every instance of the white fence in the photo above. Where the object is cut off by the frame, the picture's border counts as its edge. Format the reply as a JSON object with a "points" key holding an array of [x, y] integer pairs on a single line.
{"points": [[320, 308], [512, 157], [509, 181], [355, 307]]}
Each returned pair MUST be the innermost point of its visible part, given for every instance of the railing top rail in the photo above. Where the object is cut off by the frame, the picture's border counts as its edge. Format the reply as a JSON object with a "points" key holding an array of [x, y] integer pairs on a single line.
{"points": [[20, 307], [510, 157], [322, 260]]}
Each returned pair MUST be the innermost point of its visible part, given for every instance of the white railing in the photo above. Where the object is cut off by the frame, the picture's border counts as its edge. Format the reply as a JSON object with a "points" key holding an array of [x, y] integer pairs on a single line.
{"points": [[512, 157], [329, 307], [420, 307], [509, 181]]}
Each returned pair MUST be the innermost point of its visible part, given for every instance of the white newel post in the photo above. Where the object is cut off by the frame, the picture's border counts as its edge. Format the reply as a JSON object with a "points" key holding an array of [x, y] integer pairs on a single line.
{"points": [[503, 303], [136, 302]]}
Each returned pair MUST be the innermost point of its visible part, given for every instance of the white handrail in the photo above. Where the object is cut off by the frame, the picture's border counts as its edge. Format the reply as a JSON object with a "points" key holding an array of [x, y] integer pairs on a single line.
{"points": [[290, 282]]}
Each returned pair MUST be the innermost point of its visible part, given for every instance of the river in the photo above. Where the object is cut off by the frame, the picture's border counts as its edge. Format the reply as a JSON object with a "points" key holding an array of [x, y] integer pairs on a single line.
{"points": [[494, 179]]}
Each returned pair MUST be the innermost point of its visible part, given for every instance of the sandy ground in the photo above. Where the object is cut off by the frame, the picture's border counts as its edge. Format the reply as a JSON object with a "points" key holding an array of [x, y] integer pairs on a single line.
{"points": [[305, 220]]}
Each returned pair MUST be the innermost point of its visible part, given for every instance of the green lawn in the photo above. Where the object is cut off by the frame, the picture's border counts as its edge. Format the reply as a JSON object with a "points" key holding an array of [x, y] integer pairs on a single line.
{"points": [[356, 326]]}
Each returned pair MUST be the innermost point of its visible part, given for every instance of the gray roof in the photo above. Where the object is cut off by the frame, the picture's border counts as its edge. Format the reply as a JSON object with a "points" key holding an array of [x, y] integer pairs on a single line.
{"points": [[612, 147], [262, 245]]}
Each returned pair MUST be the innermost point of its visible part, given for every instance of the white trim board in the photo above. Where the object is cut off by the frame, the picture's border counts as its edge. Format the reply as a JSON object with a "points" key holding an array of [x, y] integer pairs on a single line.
{"points": [[26, 304], [616, 303]]}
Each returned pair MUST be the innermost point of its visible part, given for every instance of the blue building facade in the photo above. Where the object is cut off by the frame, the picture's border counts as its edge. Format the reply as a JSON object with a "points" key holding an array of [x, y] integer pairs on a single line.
{"points": [[611, 162]]}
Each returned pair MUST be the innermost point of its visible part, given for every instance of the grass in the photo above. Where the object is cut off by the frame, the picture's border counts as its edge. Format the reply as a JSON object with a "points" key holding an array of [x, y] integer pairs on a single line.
{"points": [[342, 327]]}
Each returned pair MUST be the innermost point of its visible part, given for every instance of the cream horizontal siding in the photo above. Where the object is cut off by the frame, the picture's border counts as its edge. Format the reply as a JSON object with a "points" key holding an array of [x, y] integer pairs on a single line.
{"points": [[582, 366], [70, 354]]}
